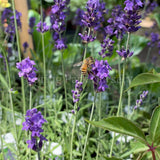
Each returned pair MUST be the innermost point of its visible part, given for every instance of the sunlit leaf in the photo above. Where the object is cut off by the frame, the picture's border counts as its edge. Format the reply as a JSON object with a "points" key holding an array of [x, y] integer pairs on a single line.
{"points": [[144, 78], [120, 125], [154, 129]]}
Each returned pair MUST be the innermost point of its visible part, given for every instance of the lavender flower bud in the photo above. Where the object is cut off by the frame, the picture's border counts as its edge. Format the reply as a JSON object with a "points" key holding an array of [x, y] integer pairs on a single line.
{"points": [[139, 102], [77, 91], [154, 39], [32, 21], [25, 46], [107, 46], [42, 27], [125, 54], [86, 38]]}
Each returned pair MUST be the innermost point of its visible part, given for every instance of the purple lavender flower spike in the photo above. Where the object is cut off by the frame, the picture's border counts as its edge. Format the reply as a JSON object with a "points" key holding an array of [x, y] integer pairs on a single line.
{"points": [[130, 4], [139, 102], [107, 46], [131, 18], [59, 44], [33, 123], [32, 21], [27, 70], [57, 19], [150, 6], [1, 55], [125, 54], [154, 39], [8, 22], [116, 25], [42, 27], [78, 17], [158, 45], [73, 111], [94, 14], [99, 73], [86, 39], [25, 46], [77, 91]]}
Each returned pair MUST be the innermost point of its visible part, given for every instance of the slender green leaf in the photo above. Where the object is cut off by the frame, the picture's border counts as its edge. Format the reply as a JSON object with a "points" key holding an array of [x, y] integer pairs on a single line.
{"points": [[137, 43], [144, 78], [112, 158], [120, 125], [154, 129], [3, 81], [136, 148]]}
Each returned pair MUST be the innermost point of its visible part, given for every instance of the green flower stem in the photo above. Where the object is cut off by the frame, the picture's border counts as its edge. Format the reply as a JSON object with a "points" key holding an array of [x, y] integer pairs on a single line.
{"points": [[99, 130], [11, 100], [148, 54], [119, 63], [19, 55], [121, 94], [129, 96], [111, 150], [39, 157], [90, 119], [44, 62], [30, 107], [2, 147], [73, 129], [76, 33], [64, 82], [30, 98]]}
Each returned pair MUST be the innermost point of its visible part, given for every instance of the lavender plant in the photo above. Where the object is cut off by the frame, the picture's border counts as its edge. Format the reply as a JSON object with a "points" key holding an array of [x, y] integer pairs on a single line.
{"points": [[107, 32]]}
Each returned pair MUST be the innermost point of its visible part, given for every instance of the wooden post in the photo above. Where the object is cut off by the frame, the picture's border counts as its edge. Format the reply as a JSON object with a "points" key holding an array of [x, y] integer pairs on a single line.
{"points": [[21, 6]]}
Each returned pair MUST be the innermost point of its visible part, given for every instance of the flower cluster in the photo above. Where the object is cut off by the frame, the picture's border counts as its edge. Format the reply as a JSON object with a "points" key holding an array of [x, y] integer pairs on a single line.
{"points": [[33, 123], [155, 40], [77, 91], [131, 18], [32, 21], [78, 17], [42, 27], [99, 73], [150, 6], [115, 24], [132, 4], [86, 38], [124, 53], [107, 46], [25, 46], [27, 70], [139, 102], [57, 19], [94, 14], [92, 18], [60, 44], [8, 22]]}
